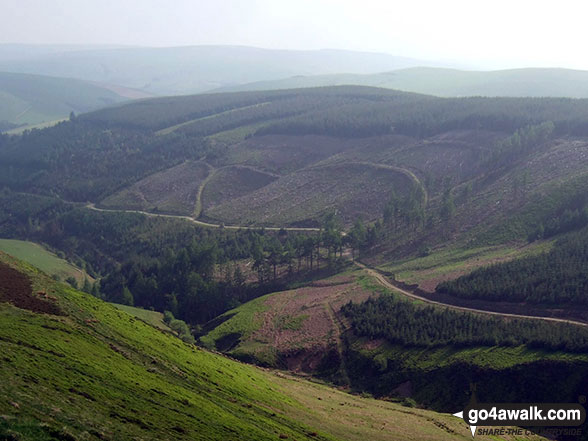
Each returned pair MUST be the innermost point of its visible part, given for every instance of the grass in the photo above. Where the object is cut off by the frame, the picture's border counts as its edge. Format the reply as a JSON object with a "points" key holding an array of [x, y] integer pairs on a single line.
{"points": [[99, 373], [173, 128], [43, 125], [43, 259], [495, 357], [153, 318], [244, 320], [449, 263]]}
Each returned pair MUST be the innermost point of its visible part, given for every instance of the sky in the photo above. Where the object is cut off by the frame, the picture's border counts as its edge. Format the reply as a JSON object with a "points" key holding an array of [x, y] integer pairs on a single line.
{"points": [[478, 34]]}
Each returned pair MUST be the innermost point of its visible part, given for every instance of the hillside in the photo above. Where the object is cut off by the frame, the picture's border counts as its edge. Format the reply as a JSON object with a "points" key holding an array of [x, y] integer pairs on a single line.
{"points": [[529, 82], [190, 69], [405, 175], [27, 99], [38, 256], [81, 369], [352, 330], [298, 330], [334, 149], [418, 189], [199, 69]]}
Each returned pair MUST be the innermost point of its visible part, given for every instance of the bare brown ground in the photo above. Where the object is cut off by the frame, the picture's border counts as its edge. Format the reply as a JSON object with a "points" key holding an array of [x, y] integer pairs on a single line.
{"points": [[300, 324], [16, 288]]}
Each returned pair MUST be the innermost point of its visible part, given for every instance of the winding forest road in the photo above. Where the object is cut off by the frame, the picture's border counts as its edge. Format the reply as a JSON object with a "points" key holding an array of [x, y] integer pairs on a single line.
{"points": [[383, 280], [386, 283], [201, 223], [373, 272]]}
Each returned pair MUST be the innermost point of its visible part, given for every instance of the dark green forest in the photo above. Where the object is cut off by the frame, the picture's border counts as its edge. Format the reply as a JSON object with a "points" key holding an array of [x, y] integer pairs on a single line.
{"points": [[170, 264], [96, 154], [47, 176], [405, 323], [559, 277]]}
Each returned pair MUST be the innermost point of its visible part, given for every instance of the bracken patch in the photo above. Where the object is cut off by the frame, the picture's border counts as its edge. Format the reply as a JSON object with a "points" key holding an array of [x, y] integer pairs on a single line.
{"points": [[16, 288]]}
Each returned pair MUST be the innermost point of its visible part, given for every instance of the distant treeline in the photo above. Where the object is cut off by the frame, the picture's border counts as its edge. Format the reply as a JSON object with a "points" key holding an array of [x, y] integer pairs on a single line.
{"points": [[160, 113], [404, 323], [93, 155], [557, 278], [347, 111], [418, 115], [80, 162]]}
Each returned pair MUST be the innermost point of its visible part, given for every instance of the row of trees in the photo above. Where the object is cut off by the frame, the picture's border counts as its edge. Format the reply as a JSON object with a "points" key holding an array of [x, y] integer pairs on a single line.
{"points": [[407, 211], [404, 323], [559, 277], [569, 220], [521, 142], [419, 116]]}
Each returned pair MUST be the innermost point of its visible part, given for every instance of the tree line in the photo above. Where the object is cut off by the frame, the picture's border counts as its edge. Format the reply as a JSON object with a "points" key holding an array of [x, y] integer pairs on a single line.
{"points": [[556, 278], [405, 323]]}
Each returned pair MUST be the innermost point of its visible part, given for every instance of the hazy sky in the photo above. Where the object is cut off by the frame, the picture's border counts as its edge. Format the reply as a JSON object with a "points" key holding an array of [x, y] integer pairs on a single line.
{"points": [[496, 33]]}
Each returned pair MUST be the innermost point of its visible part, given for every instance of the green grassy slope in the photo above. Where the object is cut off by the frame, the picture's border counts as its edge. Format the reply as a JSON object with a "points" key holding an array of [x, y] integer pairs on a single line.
{"points": [[449, 82], [32, 99], [447, 263], [153, 318], [43, 259], [94, 372]]}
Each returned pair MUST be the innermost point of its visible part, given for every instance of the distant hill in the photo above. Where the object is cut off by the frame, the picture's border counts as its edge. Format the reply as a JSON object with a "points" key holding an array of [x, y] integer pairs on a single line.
{"points": [[425, 188], [193, 69], [531, 82], [198, 69], [31, 99]]}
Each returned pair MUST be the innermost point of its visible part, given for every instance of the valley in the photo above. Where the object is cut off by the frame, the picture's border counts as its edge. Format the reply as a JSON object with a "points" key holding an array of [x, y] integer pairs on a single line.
{"points": [[423, 251], [139, 381]]}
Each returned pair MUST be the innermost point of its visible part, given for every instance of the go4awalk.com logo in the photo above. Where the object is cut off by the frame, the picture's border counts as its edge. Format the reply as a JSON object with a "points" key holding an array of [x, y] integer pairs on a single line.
{"points": [[527, 415]]}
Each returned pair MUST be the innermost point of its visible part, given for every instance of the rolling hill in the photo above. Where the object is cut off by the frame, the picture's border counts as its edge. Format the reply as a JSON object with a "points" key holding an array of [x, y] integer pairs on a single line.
{"points": [[191, 69], [531, 82], [46, 261], [27, 99], [318, 330], [423, 189]]}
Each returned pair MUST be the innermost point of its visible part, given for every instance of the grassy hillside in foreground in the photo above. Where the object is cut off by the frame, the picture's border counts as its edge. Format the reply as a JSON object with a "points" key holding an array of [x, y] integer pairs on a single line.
{"points": [[43, 259], [89, 371]]}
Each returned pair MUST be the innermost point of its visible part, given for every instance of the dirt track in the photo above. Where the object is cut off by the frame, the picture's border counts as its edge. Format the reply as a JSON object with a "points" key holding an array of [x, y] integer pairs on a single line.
{"points": [[200, 223], [385, 282]]}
